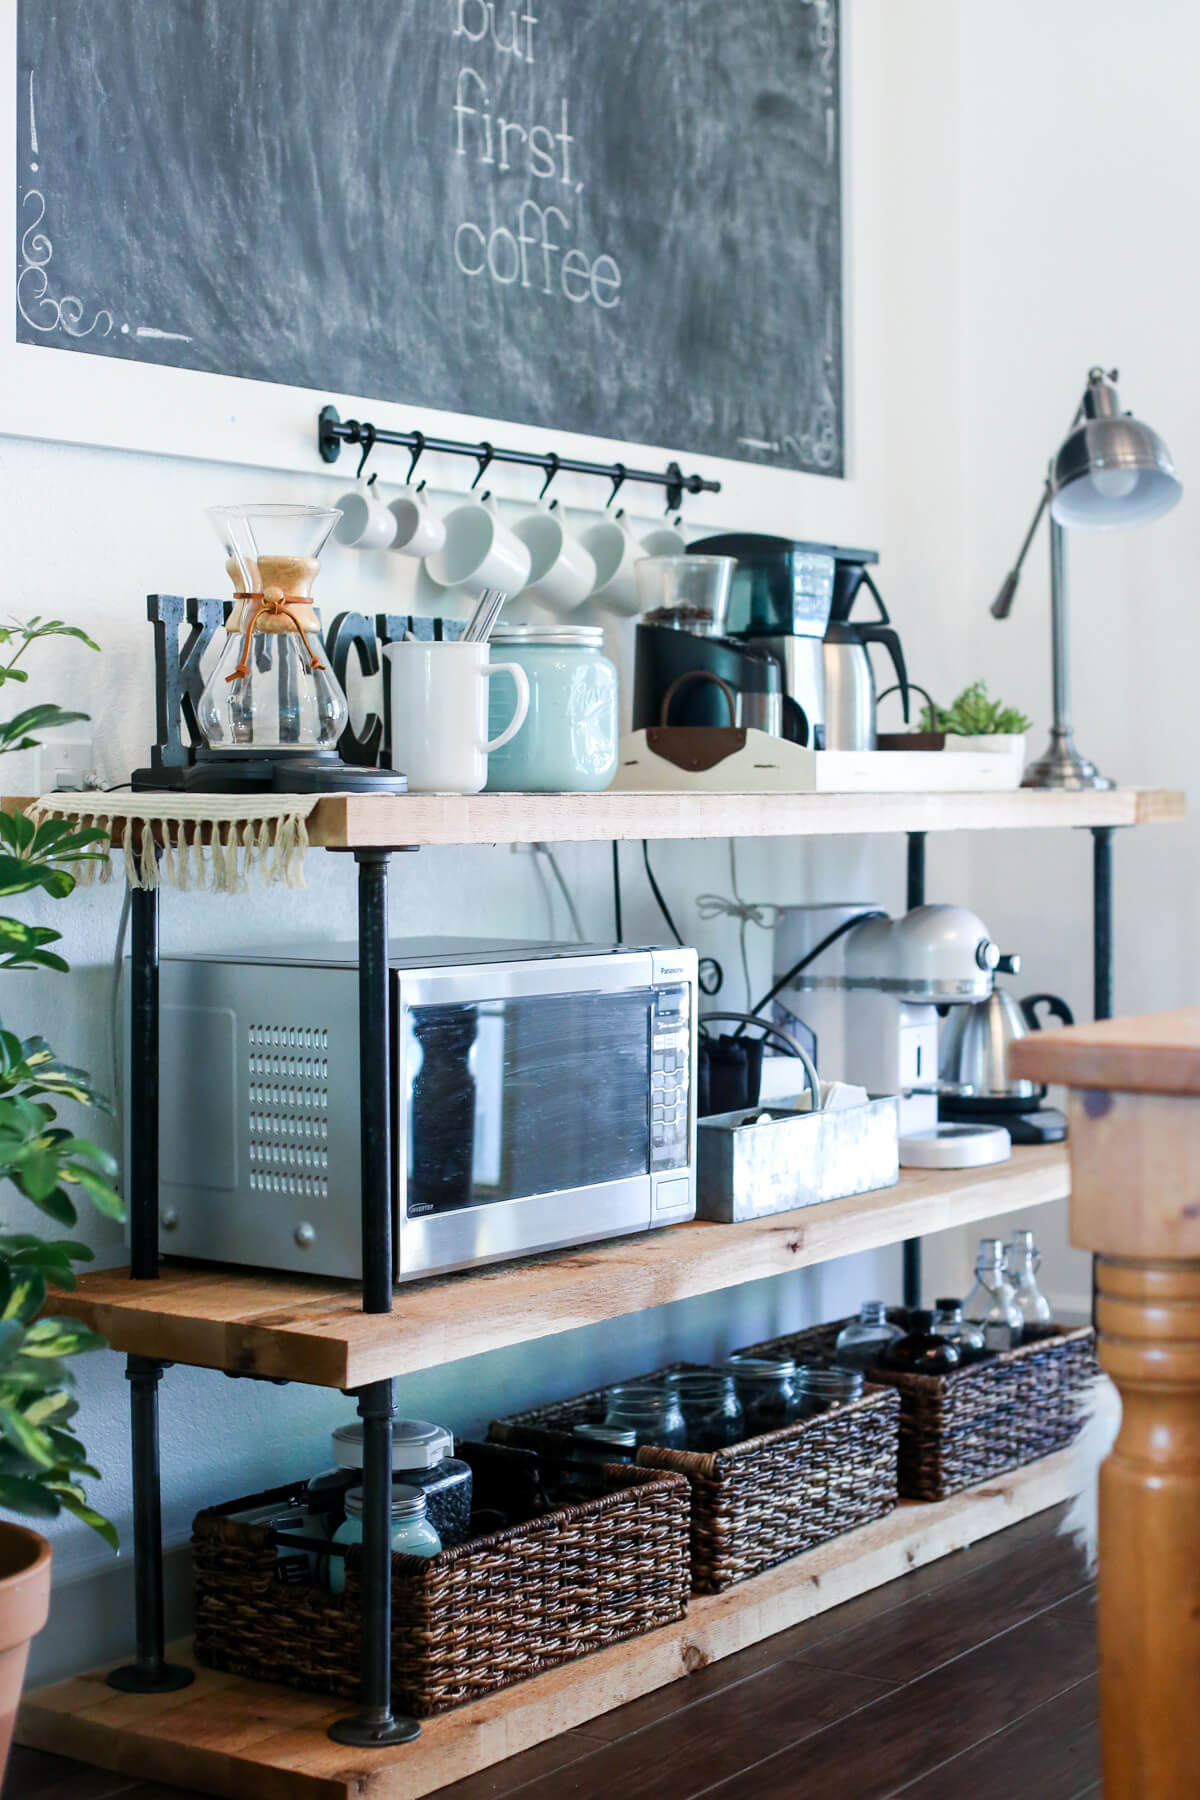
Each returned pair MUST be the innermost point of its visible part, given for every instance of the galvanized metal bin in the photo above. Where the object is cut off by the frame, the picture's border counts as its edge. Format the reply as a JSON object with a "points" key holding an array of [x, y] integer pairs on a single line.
{"points": [[747, 1171]]}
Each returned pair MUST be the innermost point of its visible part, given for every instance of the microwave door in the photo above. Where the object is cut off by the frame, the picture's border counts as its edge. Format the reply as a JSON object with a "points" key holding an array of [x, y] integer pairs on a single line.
{"points": [[524, 1123]]}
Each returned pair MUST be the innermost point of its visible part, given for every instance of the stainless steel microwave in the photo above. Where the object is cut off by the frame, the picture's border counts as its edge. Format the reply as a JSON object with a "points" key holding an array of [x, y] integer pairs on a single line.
{"points": [[542, 1095]]}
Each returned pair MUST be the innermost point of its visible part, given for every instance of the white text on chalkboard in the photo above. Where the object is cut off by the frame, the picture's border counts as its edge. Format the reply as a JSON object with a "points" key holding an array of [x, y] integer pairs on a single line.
{"points": [[532, 248]]}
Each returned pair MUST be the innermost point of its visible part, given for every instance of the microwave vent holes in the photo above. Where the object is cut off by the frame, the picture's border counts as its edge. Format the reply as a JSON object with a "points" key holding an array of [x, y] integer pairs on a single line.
{"points": [[288, 1113]]}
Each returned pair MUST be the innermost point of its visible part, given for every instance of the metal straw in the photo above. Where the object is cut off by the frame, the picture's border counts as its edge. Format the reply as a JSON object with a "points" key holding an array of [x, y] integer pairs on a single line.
{"points": [[479, 630]]}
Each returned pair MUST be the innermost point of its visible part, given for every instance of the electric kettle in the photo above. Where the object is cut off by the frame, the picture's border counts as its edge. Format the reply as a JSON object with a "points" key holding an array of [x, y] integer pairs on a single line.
{"points": [[849, 680], [973, 1052]]}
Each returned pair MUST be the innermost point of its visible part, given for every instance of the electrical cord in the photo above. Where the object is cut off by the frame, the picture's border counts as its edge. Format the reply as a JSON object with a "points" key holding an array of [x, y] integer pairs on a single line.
{"points": [[616, 866], [710, 976], [663, 908], [539, 875], [763, 913], [572, 910], [811, 957]]}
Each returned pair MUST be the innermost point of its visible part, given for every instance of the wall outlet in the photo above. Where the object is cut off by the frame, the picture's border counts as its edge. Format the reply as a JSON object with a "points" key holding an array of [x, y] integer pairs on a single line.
{"points": [[66, 763]]}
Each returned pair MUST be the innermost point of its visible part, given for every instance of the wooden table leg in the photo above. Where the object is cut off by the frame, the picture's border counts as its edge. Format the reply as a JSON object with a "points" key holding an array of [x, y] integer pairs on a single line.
{"points": [[1149, 1582]]}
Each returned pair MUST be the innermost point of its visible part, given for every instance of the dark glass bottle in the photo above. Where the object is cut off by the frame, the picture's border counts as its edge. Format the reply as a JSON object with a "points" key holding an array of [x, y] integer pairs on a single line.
{"points": [[968, 1339], [921, 1351]]}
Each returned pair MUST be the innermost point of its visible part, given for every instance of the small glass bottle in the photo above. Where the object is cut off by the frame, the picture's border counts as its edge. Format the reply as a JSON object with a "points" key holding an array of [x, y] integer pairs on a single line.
{"points": [[1024, 1261], [968, 1339], [651, 1413], [411, 1531], [992, 1302], [819, 1388], [710, 1406], [766, 1387], [863, 1342], [921, 1351]]}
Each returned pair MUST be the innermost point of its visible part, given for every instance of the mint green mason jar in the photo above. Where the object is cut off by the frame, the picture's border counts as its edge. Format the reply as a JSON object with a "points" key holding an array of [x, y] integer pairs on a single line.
{"points": [[568, 743]]}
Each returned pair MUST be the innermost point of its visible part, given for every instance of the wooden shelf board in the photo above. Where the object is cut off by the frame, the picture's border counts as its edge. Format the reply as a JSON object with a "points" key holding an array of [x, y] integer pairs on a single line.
{"points": [[310, 1330], [251, 1741], [385, 821]]}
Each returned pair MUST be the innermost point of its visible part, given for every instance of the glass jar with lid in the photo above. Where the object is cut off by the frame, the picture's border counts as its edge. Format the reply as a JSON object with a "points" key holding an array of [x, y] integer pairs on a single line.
{"points": [[712, 1411], [568, 743], [422, 1456], [411, 1531], [819, 1388], [766, 1387], [651, 1411]]}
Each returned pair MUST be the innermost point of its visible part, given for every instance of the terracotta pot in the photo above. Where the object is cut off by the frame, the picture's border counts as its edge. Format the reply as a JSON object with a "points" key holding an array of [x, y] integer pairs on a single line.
{"points": [[24, 1608]]}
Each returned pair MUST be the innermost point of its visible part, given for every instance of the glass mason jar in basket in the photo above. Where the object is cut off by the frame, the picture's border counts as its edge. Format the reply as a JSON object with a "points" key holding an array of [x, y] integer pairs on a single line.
{"points": [[766, 1387], [821, 1388], [650, 1411], [568, 743], [712, 1411]]}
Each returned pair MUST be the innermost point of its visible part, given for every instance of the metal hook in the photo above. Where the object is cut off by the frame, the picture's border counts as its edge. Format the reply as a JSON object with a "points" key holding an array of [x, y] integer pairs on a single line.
{"points": [[675, 485], [418, 452], [485, 453], [618, 481], [553, 464], [367, 440]]}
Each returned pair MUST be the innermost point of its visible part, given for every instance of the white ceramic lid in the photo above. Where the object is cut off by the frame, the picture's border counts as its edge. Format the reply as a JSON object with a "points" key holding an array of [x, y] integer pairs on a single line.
{"points": [[416, 1444]]}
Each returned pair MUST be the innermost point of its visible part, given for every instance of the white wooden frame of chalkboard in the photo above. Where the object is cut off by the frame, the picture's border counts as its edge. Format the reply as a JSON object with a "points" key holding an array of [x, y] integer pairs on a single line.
{"points": [[62, 396]]}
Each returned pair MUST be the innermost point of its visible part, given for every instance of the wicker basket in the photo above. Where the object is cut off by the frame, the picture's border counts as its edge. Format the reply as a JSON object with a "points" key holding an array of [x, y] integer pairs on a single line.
{"points": [[760, 1502], [960, 1429], [471, 1620]]}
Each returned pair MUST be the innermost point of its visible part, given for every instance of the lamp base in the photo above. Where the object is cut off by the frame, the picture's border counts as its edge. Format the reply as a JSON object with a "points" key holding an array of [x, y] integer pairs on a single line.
{"points": [[1062, 767]]}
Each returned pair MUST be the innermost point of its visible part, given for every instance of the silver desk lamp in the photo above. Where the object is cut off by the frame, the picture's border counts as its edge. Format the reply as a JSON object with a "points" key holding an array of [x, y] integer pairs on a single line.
{"points": [[1110, 471]]}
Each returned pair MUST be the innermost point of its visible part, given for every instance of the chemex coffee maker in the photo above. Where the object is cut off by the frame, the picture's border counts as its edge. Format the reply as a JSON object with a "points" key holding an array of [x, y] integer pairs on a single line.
{"points": [[869, 989], [272, 712], [792, 601]]}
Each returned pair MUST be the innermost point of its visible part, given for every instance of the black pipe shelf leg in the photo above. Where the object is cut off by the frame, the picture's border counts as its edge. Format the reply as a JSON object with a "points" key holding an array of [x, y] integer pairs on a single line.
{"points": [[914, 896], [1102, 921], [150, 1673], [375, 1725]]}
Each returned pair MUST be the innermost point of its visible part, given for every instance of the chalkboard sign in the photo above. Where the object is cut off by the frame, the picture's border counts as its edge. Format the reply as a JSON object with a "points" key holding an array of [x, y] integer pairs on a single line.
{"points": [[616, 217]]}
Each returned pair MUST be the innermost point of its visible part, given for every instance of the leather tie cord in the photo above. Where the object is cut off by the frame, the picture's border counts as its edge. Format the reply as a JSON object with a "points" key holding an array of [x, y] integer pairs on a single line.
{"points": [[273, 600]]}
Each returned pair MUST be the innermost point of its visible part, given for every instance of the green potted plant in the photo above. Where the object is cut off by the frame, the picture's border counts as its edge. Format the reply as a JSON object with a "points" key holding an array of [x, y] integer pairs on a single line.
{"points": [[43, 1464], [974, 721]]}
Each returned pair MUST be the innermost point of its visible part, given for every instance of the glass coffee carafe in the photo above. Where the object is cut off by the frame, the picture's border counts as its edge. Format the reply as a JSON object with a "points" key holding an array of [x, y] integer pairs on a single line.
{"points": [[272, 689], [272, 711]]}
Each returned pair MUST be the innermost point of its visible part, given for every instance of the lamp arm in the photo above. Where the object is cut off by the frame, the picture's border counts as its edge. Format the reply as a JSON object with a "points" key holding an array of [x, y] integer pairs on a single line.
{"points": [[1002, 604]]}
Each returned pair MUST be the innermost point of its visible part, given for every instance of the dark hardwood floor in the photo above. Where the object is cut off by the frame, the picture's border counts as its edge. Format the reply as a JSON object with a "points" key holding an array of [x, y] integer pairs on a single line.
{"points": [[979, 1671]]}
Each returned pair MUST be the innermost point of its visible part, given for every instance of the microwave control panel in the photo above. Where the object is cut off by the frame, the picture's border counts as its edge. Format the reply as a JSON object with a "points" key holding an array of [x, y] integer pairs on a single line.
{"points": [[670, 1079]]}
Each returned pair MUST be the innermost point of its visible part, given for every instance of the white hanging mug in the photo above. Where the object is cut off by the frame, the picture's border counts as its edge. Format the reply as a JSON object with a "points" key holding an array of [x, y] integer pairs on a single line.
{"points": [[479, 552], [366, 523], [420, 530], [615, 549], [562, 573], [440, 714]]}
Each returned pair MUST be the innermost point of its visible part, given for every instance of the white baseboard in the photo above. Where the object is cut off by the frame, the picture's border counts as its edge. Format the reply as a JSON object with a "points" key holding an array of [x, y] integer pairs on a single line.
{"points": [[91, 1617]]}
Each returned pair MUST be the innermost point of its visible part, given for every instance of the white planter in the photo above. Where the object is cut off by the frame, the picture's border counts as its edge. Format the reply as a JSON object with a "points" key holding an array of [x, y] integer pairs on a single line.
{"points": [[1005, 743]]}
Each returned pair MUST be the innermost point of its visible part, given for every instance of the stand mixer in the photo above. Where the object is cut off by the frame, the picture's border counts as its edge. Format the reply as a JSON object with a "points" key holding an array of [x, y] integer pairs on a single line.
{"points": [[871, 997]]}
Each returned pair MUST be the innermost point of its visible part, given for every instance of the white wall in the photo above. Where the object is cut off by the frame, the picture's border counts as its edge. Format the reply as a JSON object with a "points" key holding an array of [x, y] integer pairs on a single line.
{"points": [[1080, 149], [88, 531]]}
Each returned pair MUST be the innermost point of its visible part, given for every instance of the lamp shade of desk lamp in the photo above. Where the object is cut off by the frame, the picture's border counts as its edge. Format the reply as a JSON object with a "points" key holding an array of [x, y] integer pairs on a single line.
{"points": [[1111, 471]]}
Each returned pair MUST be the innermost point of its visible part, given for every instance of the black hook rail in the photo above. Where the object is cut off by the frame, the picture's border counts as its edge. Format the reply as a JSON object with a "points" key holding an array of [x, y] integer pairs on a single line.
{"points": [[333, 431]]}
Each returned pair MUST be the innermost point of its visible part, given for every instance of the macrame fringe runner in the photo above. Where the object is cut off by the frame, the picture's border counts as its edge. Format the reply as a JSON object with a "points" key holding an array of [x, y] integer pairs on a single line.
{"points": [[260, 839]]}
